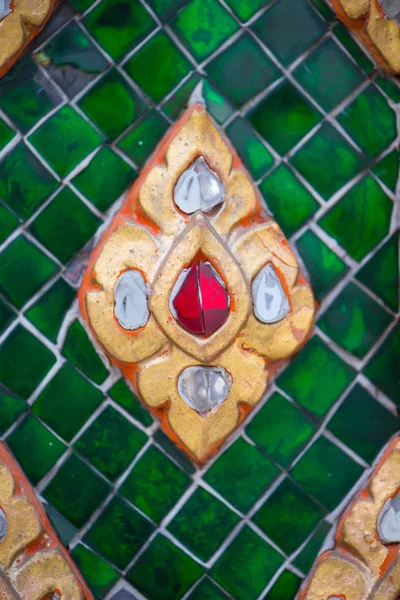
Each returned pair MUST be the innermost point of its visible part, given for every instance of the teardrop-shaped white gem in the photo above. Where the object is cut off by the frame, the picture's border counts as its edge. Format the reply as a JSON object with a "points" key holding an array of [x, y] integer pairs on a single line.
{"points": [[391, 9], [130, 308], [389, 521], [270, 303], [5, 8], [198, 188], [3, 525], [204, 388]]}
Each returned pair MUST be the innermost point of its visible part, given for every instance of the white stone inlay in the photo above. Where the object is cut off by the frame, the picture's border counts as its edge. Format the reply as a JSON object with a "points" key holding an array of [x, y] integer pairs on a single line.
{"points": [[5, 8], [198, 188], [131, 310], [270, 303], [3, 525], [204, 388], [389, 521]]}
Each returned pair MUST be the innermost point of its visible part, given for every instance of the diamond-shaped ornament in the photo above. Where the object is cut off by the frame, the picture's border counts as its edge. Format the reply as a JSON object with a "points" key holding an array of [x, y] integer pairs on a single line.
{"points": [[193, 291]]}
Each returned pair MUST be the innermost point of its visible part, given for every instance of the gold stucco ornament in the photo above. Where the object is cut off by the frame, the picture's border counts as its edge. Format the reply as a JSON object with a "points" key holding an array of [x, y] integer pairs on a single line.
{"points": [[193, 291]]}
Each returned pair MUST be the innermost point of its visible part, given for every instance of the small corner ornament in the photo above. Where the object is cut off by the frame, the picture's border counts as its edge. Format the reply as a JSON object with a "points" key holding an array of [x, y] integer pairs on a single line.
{"points": [[377, 25], [193, 291]]}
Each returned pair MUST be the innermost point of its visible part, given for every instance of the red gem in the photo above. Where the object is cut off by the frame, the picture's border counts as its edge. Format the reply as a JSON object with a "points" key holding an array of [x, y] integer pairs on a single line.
{"points": [[202, 302]]}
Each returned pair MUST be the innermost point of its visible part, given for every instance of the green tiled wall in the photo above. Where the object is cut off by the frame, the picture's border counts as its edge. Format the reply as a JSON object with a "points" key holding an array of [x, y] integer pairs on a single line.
{"points": [[315, 125]]}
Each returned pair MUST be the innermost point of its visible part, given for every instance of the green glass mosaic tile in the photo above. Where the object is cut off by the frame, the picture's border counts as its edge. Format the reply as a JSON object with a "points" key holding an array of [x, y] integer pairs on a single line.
{"points": [[217, 105], [304, 560], [354, 321], [328, 74], [76, 491], [382, 369], [355, 49], [324, 267], [368, 209], [81, 5], [288, 516], [35, 448], [65, 225], [24, 269], [326, 472], [287, 433], [73, 137], [154, 484], [390, 87], [328, 147], [387, 170], [203, 523], [8, 222], [241, 475], [24, 361], [79, 350], [166, 444], [7, 315], [67, 402], [202, 26], [370, 121], [118, 25], [47, 314], [289, 202], [118, 534], [6, 134], [112, 104], [368, 435], [165, 9], [180, 97], [140, 142], [207, 590], [128, 400], [245, 10], [288, 28], [164, 571], [285, 588], [65, 530], [11, 408], [175, 66], [255, 156], [246, 565], [316, 378], [284, 117], [243, 70], [24, 182], [381, 272], [110, 443], [324, 10], [99, 575]]}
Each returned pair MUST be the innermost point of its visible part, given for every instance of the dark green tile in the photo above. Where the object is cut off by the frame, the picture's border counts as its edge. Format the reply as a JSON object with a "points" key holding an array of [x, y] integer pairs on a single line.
{"points": [[284, 117], [242, 474], [6, 134], [328, 74], [79, 350], [255, 156], [128, 400], [157, 83], [368, 435], [324, 9], [65, 225], [8, 222], [316, 378], [7, 315], [25, 95], [11, 407], [155, 484], [243, 70], [35, 448], [48, 313], [64, 529], [165, 9], [381, 273], [355, 49], [81, 5], [390, 86], [207, 590], [165, 443], [328, 161], [76, 491], [246, 566], [164, 571], [112, 104], [73, 137], [203, 523], [140, 141], [202, 26], [370, 121], [285, 588], [119, 25], [368, 209], [244, 10], [67, 402], [324, 267], [105, 179], [354, 321], [24, 269], [24, 361], [387, 170], [290, 203], [287, 433], [110, 443], [288, 28], [98, 574], [180, 98], [383, 367], [327, 473], [24, 182], [305, 559], [288, 516], [216, 104], [118, 533]]}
